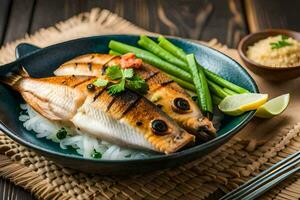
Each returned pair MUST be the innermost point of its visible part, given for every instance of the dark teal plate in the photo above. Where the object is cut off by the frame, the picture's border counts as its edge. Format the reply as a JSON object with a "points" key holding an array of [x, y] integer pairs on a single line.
{"points": [[50, 57]]}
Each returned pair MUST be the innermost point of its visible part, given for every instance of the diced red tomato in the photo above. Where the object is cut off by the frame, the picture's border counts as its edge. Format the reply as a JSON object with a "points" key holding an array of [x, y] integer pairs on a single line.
{"points": [[130, 61]]}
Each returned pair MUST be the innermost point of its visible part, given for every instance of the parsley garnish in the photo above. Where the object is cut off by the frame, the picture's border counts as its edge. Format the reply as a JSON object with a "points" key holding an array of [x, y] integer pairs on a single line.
{"points": [[114, 72], [281, 43], [122, 78], [96, 154], [100, 82], [127, 73], [117, 88], [137, 84]]}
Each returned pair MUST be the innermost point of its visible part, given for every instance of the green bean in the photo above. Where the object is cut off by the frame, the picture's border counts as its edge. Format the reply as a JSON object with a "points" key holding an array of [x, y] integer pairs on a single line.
{"points": [[153, 47], [217, 90], [167, 45], [150, 58], [230, 92], [215, 99], [112, 52], [200, 83], [222, 82], [184, 84]]}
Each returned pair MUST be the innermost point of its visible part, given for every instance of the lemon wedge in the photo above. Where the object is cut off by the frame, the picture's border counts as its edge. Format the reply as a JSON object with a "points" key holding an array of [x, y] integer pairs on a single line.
{"points": [[238, 104], [273, 107]]}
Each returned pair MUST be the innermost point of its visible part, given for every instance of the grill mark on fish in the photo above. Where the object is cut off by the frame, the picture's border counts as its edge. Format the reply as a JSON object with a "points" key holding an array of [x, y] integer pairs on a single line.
{"points": [[122, 102], [152, 75], [67, 81], [111, 59], [166, 83], [74, 81], [158, 81], [131, 106], [103, 70], [98, 93], [80, 83], [104, 100], [90, 67], [111, 103]]}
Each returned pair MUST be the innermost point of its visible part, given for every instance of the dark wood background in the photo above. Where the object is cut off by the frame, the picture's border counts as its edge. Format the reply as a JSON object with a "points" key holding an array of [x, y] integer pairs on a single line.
{"points": [[227, 20]]}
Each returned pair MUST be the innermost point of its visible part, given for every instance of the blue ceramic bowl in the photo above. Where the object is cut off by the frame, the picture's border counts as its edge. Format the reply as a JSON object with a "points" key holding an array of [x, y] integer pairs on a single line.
{"points": [[50, 57]]}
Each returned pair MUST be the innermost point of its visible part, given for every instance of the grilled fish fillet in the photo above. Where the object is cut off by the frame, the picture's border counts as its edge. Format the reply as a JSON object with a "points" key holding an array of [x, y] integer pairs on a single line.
{"points": [[126, 119], [164, 92]]}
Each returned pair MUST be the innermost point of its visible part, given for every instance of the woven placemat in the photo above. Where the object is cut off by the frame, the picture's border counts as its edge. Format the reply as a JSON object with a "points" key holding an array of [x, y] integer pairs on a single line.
{"points": [[250, 152]]}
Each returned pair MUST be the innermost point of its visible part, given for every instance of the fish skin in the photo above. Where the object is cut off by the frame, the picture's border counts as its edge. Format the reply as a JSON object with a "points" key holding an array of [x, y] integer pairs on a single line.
{"points": [[160, 85], [111, 118]]}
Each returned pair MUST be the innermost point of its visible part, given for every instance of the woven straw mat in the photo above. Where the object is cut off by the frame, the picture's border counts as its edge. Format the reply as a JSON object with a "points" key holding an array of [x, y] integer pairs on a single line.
{"points": [[225, 168]]}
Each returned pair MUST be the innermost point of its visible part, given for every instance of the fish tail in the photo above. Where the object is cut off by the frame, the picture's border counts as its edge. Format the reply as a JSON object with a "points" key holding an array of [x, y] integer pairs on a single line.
{"points": [[13, 77]]}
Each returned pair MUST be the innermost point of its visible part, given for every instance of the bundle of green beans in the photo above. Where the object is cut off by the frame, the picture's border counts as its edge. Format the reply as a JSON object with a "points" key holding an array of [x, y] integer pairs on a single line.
{"points": [[176, 51], [173, 61]]}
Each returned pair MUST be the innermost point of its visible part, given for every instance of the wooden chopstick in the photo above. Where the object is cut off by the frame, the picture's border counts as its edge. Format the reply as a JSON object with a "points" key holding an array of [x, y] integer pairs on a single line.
{"points": [[267, 179]]}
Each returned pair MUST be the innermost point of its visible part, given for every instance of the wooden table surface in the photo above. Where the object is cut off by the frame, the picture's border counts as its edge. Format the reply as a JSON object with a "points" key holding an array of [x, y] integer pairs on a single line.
{"points": [[227, 20]]}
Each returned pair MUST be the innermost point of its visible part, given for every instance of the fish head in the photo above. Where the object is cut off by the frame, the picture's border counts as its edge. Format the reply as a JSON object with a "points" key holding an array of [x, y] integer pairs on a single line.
{"points": [[166, 136], [181, 107], [162, 132]]}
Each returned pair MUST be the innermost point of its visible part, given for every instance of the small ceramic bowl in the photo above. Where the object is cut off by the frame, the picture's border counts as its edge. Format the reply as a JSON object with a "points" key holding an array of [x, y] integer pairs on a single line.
{"points": [[267, 72]]}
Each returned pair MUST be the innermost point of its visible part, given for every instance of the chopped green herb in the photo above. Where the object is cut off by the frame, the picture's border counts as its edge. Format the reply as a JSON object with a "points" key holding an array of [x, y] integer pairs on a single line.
{"points": [[117, 88], [281, 43], [100, 82], [126, 79], [127, 73], [61, 133], [96, 154], [114, 72], [137, 84]]}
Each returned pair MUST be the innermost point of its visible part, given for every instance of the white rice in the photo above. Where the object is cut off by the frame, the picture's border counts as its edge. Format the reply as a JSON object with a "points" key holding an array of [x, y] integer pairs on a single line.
{"points": [[84, 144]]}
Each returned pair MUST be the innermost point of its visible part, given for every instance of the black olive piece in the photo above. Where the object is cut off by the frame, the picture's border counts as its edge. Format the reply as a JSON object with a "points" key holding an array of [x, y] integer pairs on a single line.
{"points": [[61, 133], [139, 123], [90, 87], [159, 127], [181, 104]]}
